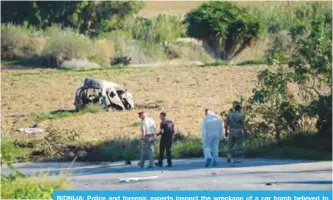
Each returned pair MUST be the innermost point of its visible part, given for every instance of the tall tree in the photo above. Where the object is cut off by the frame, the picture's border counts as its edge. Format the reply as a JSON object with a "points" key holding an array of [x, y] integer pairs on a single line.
{"points": [[225, 27]]}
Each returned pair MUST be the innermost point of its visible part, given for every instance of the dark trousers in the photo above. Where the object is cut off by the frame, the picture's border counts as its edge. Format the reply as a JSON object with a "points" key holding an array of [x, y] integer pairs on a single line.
{"points": [[165, 146]]}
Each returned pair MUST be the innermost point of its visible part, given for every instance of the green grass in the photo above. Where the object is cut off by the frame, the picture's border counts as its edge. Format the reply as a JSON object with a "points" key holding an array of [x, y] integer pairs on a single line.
{"points": [[8, 62], [161, 100], [40, 117], [217, 63], [252, 62], [18, 186], [92, 108], [301, 146], [307, 147], [114, 67], [31, 187], [60, 114]]}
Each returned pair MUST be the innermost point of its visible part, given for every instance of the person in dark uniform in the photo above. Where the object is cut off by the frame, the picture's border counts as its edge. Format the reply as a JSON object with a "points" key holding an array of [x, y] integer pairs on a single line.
{"points": [[166, 132]]}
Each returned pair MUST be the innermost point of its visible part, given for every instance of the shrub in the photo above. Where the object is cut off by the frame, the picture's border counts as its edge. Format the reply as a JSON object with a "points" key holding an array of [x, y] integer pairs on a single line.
{"points": [[312, 62], [191, 147], [120, 148], [179, 136], [162, 29], [167, 29], [30, 188], [280, 43], [8, 151], [279, 16], [102, 51], [190, 51], [65, 45], [17, 186], [142, 52], [120, 60], [93, 108], [141, 29], [18, 42], [121, 40], [225, 28], [253, 62], [300, 146]]}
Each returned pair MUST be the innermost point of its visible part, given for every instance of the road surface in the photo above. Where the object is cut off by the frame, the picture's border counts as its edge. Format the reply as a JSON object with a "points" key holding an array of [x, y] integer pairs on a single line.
{"points": [[190, 174]]}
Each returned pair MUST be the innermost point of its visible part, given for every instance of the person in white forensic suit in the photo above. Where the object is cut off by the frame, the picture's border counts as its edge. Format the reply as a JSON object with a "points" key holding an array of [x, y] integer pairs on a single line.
{"points": [[211, 133]]}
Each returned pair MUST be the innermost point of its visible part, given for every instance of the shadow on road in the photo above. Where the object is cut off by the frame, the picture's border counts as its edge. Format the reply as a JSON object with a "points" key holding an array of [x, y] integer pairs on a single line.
{"points": [[305, 182], [55, 169]]}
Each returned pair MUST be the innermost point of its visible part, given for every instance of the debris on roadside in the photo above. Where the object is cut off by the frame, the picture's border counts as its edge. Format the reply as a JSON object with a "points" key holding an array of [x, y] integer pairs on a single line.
{"points": [[127, 180], [30, 130]]}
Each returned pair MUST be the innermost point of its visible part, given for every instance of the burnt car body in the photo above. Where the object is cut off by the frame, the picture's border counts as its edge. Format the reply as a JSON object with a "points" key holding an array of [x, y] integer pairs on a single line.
{"points": [[108, 94]]}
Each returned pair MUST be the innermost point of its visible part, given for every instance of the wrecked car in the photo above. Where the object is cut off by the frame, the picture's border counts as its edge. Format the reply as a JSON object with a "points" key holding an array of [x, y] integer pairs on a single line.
{"points": [[108, 94]]}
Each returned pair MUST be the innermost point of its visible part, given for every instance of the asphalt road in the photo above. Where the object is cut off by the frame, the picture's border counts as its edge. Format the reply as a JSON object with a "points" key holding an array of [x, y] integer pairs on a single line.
{"points": [[190, 174]]}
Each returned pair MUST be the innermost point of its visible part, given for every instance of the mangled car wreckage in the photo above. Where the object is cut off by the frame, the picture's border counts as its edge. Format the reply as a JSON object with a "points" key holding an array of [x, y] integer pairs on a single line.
{"points": [[108, 94]]}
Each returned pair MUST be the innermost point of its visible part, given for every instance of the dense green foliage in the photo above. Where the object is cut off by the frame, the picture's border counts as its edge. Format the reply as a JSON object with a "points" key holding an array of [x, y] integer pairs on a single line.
{"points": [[310, 67], [312, 63], [16, 185], [279, 16], [275, 101], [225, 22], [305, 145], [161, 29], [86, 16]]}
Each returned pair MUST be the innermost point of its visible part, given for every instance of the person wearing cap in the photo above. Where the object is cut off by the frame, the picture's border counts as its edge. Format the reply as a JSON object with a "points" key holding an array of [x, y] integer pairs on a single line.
{"points": [[234, 130], [167, 129], [212, 131], [148, 131]]}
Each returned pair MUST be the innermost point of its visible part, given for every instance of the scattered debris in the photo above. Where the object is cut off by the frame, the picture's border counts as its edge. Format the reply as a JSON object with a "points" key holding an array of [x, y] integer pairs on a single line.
{"points": [[126, 180], [18, 116], [35, 126], [148, 106], [31, 130], [82, 153], [268, 184], [197, 64], [71, 154]]}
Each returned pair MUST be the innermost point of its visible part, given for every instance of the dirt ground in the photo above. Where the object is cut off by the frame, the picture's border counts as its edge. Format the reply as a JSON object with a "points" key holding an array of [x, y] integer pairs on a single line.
{"points": [[182, 91]]}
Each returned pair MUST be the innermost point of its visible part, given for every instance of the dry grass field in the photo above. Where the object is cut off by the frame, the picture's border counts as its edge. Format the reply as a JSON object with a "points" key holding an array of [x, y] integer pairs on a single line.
{"points": [[183, 92], [180, 8]]}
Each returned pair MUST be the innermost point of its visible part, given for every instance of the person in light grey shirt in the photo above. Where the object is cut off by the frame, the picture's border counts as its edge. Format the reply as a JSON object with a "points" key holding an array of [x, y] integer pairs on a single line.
{"points": [[148, 132]]}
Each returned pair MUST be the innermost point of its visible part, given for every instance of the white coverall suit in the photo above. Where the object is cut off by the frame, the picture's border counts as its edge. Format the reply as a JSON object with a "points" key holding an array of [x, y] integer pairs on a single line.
{"points": [[212, 130]]}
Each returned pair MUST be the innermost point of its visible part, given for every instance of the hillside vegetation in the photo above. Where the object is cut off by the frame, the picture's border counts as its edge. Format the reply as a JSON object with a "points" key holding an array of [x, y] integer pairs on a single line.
{"points": [[128, 29]]}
